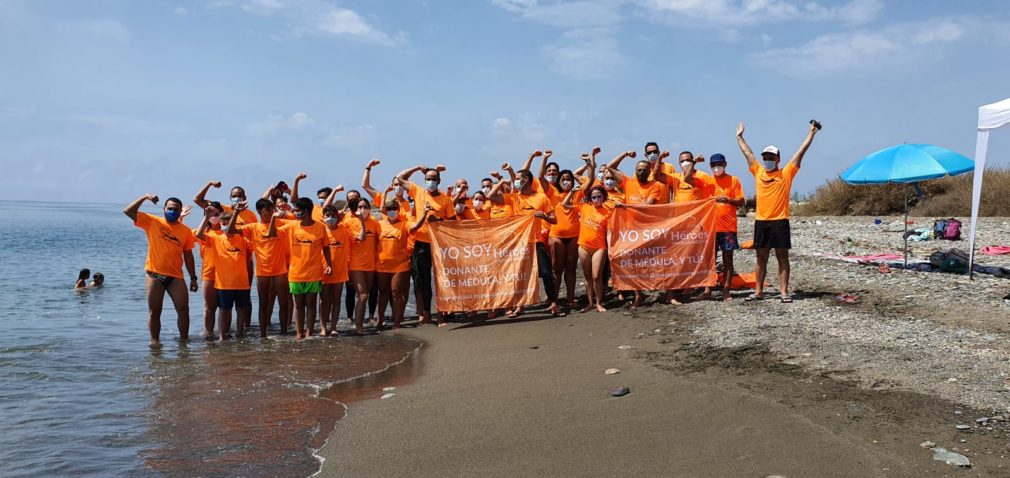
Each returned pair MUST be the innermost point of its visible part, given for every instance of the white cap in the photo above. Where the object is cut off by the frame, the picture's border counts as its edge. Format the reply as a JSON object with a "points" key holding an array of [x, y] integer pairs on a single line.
{"points": [[771, 149]]}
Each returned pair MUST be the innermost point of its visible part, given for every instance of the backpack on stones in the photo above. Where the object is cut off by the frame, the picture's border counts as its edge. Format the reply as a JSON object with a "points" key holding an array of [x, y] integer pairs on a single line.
{"points": [[954, 260], [939, 228], [952, 230]]}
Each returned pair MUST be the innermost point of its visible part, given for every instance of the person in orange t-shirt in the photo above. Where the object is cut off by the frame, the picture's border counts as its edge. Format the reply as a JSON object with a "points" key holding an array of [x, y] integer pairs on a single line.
{"points": [[169, 244], [771, 219], [364, 245], [594, 217], [564, 237], [271, 254], [232, 255], [728, 197], [237, 196], [430, 204], [690, 184], [480, 206], [528, 202], [310, 262], [393, 262], [207, 268], [338, 237]]}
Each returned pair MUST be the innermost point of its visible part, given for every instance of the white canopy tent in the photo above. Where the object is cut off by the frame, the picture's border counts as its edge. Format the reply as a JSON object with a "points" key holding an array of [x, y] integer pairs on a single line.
{"points": [[990, 117]]}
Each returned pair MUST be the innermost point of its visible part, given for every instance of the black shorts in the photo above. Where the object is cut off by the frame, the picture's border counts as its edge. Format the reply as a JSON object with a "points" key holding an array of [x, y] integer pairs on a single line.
{"points": [[772, 234], [227, 299], [544, 261]]}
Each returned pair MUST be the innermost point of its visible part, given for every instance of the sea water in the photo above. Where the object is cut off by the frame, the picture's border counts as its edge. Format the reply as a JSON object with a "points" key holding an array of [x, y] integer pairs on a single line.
{"points": [[82, 393]]}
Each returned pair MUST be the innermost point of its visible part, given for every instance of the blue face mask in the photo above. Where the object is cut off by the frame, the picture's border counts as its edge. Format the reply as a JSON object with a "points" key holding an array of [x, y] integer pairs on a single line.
{"points": [[172, 215], [432, 185]]}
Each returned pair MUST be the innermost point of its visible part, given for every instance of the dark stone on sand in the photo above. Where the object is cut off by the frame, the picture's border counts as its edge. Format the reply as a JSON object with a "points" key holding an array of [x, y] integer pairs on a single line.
{"points": [[534, 347], [620, 392]]}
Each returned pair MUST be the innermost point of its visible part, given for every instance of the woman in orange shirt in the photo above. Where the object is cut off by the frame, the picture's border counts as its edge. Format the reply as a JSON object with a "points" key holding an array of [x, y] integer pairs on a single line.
{"points": [[338, 237], [480, 203], [393, 262], [207, 268], [594, 215], [564, 236], [364, 245]]}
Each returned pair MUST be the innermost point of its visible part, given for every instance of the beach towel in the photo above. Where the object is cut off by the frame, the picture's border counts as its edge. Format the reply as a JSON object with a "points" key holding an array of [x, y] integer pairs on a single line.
{"points": [[995, 250]]}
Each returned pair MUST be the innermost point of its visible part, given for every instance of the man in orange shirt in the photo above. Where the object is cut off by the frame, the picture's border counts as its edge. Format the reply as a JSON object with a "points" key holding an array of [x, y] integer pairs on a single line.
{"points": [[306, 241], [232, 255], [169, 244], [271, 267], [237, 195], [433, 205], [771, 219], [728, 197]]}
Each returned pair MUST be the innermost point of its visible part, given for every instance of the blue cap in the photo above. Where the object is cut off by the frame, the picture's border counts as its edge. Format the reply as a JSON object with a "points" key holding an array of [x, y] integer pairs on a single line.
{"points": [[717, 159]]}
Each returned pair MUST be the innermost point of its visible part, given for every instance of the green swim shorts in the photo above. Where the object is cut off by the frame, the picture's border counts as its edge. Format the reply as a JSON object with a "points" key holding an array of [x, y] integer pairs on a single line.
{"points": [[305, 287]]}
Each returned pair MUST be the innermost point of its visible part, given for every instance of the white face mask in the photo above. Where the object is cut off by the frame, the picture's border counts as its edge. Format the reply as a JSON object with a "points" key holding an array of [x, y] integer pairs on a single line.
{"points": [[478, 204], [518, 183], [769, 165], [214, 220], [652, 157], [550, 178], [392, 214], [566, 185], [399, 191], [487, 190], [686, 164], [599, 175], [330, 221], [235, 199], [718, 170], [432, 185], [321, 201], [460, 208], [610, 183]]}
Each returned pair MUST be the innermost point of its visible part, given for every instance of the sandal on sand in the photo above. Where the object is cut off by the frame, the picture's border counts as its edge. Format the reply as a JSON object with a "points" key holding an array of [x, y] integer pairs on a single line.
{"points": [[753, 297], [786, 299]]}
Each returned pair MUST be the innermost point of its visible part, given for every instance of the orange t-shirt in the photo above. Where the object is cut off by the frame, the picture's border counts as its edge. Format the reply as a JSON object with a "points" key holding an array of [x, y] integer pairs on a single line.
{"points": [[363, 252], [729, 186], [700, 187], [593, 225], [441, 206], [165, 244], [638, 193], [773, 191], [271, 252], [484, 211], [206, 255], [244, 217], [231, 261], [305, 244], [527, 205], [614, 197], [505, 209], [393, 256], [339, 240], [568, 218]]}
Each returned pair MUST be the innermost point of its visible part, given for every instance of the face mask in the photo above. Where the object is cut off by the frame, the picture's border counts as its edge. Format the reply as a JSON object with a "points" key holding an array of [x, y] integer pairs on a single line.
{"points": [[172, 215], [321, 201], [478, 204], [642, 176], [214, 220], [330, 221], [550, 178], [599, 176], [718, 170], [610, 183], [597, 201], [392, 214], [566, 185], [460, 208], [399, 191], [298, 214], [686, 164], [487, 190], [518, 183], [769, 165], [432, 185], [652, 157], [235, 199]]}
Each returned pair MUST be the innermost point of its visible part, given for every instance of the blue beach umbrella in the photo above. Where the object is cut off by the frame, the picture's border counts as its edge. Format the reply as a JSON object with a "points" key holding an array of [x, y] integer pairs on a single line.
{"points": [[907, 164]]}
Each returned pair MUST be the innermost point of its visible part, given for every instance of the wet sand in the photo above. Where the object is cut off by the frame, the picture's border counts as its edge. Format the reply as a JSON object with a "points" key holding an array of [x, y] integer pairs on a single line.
{"points": [[739, 389]]}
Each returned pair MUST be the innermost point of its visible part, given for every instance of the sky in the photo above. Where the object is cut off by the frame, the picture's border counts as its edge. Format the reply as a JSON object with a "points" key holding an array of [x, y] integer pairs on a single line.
{"points": [[105, 100]]}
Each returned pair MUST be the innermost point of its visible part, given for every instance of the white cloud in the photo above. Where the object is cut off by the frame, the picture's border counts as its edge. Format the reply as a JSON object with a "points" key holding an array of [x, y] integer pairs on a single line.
{"points": [[585, 53], [320, 17], [756, 12], [501, 123], [276, 123], [864, 50], [181, 11]]}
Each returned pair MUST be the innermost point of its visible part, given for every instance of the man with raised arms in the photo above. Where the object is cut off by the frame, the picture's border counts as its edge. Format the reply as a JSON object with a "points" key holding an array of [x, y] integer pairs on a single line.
{"points": [[771, 219], [435, 206], [169, 244]]}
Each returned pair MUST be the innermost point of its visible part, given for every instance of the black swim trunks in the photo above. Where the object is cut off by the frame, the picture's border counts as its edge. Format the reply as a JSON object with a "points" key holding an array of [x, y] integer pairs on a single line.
{"points": [[164, 279]]}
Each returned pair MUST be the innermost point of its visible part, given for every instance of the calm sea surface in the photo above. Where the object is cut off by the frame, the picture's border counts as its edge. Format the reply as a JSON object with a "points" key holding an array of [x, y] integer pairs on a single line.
{"points": [[82, 394]]}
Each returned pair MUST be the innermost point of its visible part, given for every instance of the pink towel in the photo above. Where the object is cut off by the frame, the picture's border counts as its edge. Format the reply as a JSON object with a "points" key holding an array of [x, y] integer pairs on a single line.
{"points": [[995, 250]]}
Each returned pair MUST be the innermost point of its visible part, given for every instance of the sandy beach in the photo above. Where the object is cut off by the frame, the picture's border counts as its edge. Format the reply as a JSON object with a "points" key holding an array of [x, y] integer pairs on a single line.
{"points": [[813, 388]]}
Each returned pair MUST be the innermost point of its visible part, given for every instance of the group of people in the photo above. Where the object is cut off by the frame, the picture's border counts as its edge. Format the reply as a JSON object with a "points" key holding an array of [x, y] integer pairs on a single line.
{"points": [[303, 255]]}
